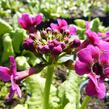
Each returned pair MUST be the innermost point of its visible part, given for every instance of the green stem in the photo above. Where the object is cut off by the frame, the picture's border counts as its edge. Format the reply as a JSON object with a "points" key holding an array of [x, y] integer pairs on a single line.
{"points": [[48, 82], [85, 102]]}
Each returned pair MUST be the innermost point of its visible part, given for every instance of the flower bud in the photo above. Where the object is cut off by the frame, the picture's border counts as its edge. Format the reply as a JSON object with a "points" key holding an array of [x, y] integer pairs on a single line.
{"points": [[56, 42], [28, 44], [67, 31], [49, 29], [57, 50], [39, 48], [62, 45], [76, 43], [32, 36], [51, 45], [45, 49]]}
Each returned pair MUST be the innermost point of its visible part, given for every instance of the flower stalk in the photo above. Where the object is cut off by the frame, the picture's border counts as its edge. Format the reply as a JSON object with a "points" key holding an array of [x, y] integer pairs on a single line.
{"points": [[85, 102], [50, 70]]}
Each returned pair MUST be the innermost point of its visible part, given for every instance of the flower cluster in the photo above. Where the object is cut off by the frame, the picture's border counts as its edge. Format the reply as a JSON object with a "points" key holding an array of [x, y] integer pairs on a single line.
{"points": [[29, 23], [54, 40], [54, 47], [93, 60]]}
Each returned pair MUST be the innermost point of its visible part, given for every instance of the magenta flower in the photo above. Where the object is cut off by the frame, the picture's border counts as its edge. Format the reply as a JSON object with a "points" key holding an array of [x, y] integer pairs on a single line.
{"points": [[37, 20], [96, 39], [62, 24], [63, 27], [11, 75], [29, 23], [94, 61]]}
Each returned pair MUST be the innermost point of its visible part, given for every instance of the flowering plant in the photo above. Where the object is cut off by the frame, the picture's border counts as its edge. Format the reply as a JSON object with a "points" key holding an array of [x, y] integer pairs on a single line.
{"points": [[62, 44]]}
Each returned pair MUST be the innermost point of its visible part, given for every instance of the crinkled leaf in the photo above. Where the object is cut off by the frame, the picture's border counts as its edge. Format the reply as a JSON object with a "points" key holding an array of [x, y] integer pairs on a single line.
{"points": [[7, 47], [95, 24], [22, 63], [35, 85], [81, 33], [4, 27], [18, 37], [70, 91], [81, 23], [32, 59]]}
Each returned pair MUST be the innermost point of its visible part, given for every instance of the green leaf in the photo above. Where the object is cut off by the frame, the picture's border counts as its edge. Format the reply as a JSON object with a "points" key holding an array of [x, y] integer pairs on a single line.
{"points": [[81, 33], [69, 92], [4, 27], [17, 39], [35, 85], [22, 63], [81, 23], [66, 58], [7, 48], [95, 23], [32, 59]]}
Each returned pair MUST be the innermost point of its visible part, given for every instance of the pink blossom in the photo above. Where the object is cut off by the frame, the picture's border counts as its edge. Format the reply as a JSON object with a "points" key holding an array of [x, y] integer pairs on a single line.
{"points": [[29, 22]]}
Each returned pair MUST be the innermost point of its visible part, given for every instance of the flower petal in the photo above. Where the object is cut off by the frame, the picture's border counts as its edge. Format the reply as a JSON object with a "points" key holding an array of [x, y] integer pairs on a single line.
{"points": [[11, 94], [95, 87], [22, 23], [25, 21], [26, 17], [90, 89], [101, 90], [13, 84], [81, 68], [87, 25], [18, 91], [95, 51], [37, 20], [62, 22], [12, 65], [104, 58], [106, 73], [54, 27], [15, 87], [73, 30], [103, 45], [93, 37], [4, 74], [85, 55]]}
